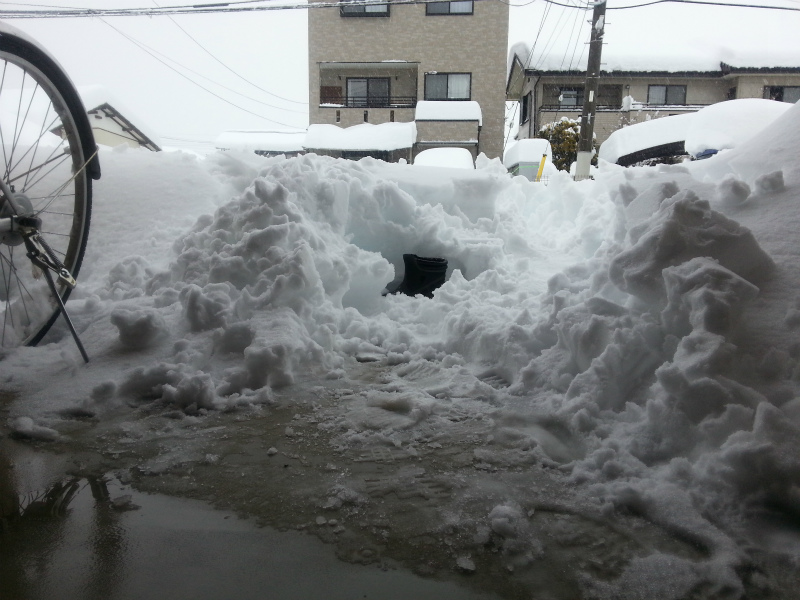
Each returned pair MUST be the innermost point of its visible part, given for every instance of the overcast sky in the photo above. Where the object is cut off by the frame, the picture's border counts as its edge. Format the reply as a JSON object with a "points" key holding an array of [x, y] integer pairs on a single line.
{"points": [[269, 49]]}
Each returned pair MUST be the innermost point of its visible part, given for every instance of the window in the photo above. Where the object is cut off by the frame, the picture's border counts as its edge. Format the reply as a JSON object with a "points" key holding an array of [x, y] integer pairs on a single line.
{"points": [[571, 97], [330, 94], [669, 95], [363, 10], [368, 91], [526, 108], [448, 86], [783, 93], [460, 7]]}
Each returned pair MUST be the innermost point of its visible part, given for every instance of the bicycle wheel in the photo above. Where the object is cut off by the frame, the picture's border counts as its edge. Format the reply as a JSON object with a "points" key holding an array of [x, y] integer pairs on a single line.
{"points": [[46, 148]]}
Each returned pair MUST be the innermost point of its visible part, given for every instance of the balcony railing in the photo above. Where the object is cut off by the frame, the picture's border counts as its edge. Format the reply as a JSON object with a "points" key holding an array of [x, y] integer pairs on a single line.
{"points": [[578, 107], [370, 102], [618, 107]]}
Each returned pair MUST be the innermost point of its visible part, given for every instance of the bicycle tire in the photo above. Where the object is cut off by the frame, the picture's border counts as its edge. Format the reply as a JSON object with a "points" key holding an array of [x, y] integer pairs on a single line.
{"points": [[39, 103]]}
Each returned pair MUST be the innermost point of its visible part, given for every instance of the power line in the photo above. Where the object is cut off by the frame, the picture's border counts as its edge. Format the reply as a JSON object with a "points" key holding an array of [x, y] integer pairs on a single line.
{"points": [[142, 47], [576, 23], [235, 7], [701, 2], [153, 51], [212, 55], [524, 66], [215, 8]]}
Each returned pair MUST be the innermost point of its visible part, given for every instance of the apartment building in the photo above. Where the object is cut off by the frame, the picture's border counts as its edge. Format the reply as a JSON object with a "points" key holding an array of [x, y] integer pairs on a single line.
{"points": [[438, 65], [626, 97]]}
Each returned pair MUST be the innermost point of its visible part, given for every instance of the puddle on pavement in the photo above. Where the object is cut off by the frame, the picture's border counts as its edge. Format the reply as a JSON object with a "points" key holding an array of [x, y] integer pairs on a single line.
{"points": [[95, 538]]}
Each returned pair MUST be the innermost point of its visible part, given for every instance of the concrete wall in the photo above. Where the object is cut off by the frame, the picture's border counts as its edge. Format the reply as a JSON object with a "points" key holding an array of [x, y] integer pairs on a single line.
{"points": [[752, 85], [464, 134], [700, 91], [475, 44]]}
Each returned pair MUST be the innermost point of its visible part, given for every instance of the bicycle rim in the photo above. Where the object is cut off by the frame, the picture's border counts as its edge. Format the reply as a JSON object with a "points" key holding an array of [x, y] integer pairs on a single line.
{"points": [[41, 157]]}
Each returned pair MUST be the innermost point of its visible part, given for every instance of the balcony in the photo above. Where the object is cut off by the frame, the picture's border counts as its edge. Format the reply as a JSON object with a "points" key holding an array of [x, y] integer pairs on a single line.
{"points": [[387, 84]]}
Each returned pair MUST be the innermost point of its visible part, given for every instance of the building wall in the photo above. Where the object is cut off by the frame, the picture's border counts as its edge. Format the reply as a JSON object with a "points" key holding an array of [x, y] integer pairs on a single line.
{"points": [[752, 85], [700, 91], [465, 134], [355, 116], [475, 44], [108, 132]]}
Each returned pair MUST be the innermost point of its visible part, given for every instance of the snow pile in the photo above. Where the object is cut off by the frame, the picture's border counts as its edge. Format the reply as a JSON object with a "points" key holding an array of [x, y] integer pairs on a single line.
{"points": [[450, 110], [454, 158], [636, 335], [365, 136], [263, 141], [725, 125]]}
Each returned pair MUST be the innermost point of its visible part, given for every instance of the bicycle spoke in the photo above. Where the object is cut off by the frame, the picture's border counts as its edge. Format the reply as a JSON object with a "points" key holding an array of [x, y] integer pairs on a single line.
{"points": [[27, 173], [13, 276], [32, 151], [2, 135]]}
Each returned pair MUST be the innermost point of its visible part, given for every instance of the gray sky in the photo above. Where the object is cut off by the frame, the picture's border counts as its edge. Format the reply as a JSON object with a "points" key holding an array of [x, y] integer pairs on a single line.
{"points": [[269, 49]]}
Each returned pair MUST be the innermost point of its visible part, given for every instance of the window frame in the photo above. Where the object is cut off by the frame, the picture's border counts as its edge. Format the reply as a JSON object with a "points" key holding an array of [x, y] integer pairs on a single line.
{"points": [[447, 99], [360, 10], [449, 12], [525, 108], [580, 92], [771, 92], [369, 100], [666, 94]]}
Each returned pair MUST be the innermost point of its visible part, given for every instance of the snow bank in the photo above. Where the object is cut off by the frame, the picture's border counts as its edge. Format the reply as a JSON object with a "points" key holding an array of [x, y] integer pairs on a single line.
{"points": [[365, 136], [634, 335], [455, 158], [451, 110]]}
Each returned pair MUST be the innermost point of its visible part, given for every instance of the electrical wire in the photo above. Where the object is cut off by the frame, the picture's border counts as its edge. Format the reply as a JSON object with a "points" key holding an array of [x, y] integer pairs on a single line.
{"points": [[212, 55], [153, 51], [141, 46], [235, 7], [524, 66], [702, 2], [577, 35], [217, 7]]}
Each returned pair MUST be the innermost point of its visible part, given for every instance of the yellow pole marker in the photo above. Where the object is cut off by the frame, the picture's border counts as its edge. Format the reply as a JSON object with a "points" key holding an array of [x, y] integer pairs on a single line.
{"points": [[541, 167]]}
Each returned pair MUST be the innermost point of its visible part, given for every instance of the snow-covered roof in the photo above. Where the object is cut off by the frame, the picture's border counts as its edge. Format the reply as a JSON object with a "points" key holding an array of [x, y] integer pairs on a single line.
{"points": [[95, 96], [365, 136], [266, 141], [665, 37], [450, 110]]}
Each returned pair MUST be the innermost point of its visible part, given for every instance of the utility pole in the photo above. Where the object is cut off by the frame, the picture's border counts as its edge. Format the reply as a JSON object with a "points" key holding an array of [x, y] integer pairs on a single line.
{"points": [[590, 91]]}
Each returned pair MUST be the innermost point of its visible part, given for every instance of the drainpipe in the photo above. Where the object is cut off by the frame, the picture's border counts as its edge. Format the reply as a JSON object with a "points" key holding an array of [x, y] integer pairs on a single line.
{"points": [[532, 127]]}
